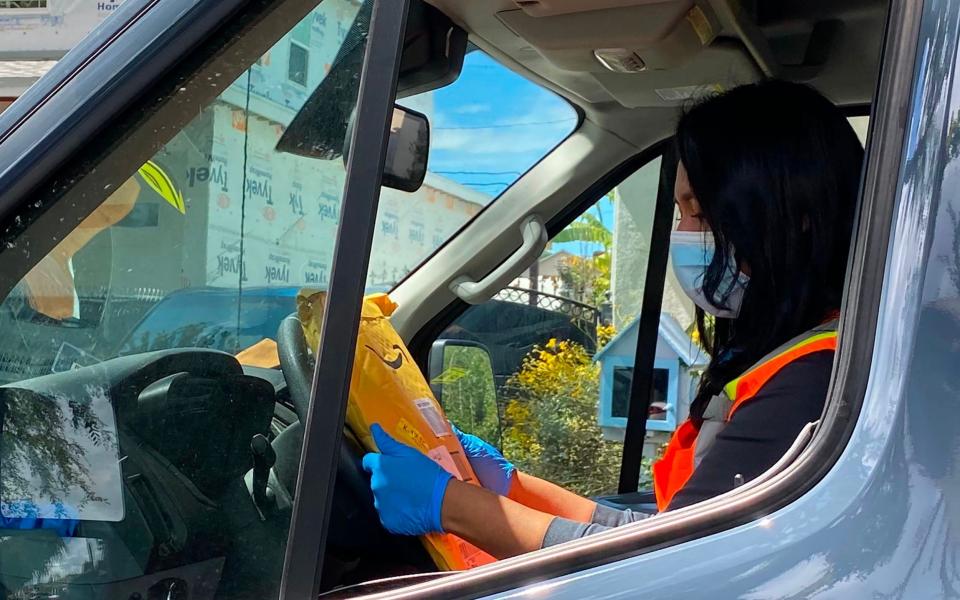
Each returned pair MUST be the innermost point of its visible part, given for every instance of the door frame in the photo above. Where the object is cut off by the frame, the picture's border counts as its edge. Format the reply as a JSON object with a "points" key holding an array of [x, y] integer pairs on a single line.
{"points": [[323, 426]]}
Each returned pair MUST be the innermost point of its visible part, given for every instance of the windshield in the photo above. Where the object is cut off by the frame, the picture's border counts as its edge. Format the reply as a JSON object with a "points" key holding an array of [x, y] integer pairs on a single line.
{"points": [[198, 223], [202, 245], [488, 128], [138, 464], [208, 243]]}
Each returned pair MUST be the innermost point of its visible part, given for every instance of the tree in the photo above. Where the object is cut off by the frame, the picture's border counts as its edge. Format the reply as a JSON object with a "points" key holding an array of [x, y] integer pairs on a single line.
{"points": [[41, 454], [587, 278], [550, 423]]}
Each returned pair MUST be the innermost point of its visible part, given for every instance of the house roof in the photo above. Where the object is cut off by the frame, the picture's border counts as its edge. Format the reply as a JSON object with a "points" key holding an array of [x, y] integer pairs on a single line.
{"points": [[671, 333], [551, 265]]}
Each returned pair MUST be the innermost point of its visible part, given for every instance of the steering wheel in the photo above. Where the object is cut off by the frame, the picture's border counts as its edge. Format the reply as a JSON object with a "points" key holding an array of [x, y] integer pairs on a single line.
{"points": [[355, 529], [354, 523]]}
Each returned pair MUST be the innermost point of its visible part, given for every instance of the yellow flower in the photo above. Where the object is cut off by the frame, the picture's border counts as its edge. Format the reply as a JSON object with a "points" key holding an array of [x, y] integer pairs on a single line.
{"points": [[605, 333]]}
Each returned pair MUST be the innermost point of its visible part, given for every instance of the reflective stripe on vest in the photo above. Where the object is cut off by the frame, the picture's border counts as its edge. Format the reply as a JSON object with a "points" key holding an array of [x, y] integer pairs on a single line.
{"points": [[675, 468], [746, 386]]}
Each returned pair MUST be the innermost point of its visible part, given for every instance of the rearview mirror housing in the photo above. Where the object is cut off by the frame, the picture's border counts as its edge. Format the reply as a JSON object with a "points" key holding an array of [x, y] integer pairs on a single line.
{"points": [[408, 148], [433, 51]]}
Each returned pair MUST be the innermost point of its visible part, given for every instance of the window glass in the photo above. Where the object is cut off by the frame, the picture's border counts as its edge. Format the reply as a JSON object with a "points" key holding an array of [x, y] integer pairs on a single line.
{"points": [[297, 70], [620, 402], [562, 340], [134, 461], [487, 129]]}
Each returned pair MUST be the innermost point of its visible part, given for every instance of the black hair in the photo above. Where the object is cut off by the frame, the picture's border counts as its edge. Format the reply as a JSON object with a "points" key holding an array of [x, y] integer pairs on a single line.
{"points": [[776, 169]]}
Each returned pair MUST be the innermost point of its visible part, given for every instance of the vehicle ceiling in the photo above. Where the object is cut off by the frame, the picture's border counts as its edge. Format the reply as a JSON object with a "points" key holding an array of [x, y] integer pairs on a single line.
{"points": [[833, 45]]}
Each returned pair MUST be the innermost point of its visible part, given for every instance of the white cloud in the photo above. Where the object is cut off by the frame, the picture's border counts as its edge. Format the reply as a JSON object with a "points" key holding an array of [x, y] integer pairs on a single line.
{"points": [[472, 109], [503, 119], [512, 140]]}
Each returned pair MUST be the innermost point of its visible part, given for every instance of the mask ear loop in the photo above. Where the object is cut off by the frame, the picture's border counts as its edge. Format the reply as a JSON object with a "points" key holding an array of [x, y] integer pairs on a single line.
{"points": [[736, 277]]}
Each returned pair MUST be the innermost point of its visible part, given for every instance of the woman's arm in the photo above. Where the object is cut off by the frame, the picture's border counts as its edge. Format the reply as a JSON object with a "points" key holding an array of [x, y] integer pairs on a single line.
{"points": [[506, 528], [415, 496], [500, 476], [500, 526], [550, 498]]}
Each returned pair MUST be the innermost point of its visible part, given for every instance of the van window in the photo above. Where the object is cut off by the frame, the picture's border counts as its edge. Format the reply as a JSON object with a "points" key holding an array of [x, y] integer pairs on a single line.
{"points": [[152, 463], [562, 343]]}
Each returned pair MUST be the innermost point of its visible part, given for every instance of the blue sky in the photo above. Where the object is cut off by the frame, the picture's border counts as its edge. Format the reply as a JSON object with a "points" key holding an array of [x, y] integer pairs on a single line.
{"points": [[492, 125]]}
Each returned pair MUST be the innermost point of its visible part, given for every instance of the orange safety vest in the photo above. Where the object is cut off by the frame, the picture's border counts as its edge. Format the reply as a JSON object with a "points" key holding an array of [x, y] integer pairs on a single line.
{"points": [[675, 468]]}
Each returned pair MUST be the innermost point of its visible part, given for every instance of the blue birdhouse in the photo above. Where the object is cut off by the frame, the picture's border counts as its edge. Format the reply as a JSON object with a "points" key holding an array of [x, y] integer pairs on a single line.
{"points": [[678, 363]]}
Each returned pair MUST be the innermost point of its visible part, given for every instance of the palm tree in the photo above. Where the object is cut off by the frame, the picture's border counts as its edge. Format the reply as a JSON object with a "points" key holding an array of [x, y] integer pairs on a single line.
{"points": [[588, 278]]}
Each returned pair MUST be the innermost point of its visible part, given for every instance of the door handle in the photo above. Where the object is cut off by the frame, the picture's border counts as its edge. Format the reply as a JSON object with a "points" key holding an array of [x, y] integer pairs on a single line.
{"points": [[534, 241]]}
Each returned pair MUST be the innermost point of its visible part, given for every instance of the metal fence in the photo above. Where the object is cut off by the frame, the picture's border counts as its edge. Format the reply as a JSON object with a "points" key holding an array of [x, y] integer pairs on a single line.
{"points": [[584, 314]]}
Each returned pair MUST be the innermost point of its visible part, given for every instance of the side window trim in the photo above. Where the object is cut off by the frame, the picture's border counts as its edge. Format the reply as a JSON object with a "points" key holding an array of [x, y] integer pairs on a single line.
{"points": [[323, 426]]}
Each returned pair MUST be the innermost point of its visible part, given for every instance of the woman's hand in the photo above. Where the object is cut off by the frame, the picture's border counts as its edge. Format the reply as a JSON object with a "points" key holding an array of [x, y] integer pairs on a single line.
{"points": [[495, 472], [498, 475], [408, 487], [415, 496]]}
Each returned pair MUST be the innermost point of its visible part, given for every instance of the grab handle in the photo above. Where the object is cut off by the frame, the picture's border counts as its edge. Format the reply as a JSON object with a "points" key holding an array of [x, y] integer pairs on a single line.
{"points": [[534, 241]]}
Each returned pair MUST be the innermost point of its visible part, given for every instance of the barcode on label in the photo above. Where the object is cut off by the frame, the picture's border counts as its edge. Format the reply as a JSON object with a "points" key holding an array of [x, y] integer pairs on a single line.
{"points": [[432, 416]]}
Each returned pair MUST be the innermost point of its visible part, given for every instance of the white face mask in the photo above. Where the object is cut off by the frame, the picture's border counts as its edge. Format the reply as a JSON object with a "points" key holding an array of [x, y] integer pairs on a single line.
{"points": [[691, 252]]}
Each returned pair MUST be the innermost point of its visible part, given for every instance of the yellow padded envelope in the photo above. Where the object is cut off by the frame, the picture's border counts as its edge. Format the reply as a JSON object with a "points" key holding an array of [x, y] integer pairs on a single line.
{"points": [[388, 388]]}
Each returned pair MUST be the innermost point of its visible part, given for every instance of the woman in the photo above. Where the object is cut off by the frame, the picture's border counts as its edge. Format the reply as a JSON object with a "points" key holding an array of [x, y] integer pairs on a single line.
{"points": [[766, 187]]}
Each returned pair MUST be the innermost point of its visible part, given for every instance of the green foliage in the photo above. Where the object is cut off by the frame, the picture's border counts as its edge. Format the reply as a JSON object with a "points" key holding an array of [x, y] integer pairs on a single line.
{"points": [[550, 423], [587, 279], [549, 418], [38, 453], [469, 398], [588, 228]]}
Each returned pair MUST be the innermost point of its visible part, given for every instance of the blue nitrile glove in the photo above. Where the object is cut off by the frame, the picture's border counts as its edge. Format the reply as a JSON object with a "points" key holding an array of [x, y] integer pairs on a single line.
{"points": [[494, 471], [407, 486]]}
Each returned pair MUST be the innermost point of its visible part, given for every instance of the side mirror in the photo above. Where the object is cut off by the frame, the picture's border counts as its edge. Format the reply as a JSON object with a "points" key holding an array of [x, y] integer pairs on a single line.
{"points": [[461, 378]]}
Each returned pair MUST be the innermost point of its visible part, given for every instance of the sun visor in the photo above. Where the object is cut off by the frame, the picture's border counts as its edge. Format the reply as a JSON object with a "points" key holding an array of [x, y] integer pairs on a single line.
{"points": [[546, 8]]}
